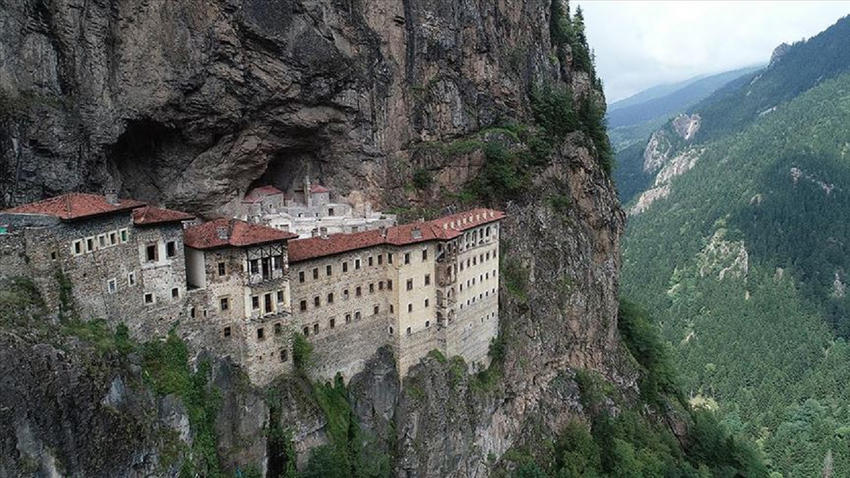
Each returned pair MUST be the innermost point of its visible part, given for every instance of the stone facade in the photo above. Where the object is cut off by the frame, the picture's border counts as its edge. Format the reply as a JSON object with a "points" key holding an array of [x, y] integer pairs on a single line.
{"points": [[355, 293]]}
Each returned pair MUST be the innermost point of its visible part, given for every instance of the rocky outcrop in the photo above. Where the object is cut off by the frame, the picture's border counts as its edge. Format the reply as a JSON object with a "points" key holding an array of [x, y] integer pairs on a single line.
{"points": [[189, 103], [687, 126]]}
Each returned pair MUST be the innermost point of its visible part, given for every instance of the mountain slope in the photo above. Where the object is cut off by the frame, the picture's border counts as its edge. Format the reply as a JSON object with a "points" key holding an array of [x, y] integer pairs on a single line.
{"points": [[632, 120], [738, 243], [673, 101]]}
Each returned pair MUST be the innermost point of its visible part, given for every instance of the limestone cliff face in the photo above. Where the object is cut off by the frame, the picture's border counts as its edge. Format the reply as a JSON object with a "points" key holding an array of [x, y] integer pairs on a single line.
{"points": [[191, 102]]}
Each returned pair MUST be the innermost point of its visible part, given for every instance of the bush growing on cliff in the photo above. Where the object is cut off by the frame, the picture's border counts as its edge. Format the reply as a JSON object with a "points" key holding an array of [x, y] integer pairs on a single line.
{"points": [[641, 338]]}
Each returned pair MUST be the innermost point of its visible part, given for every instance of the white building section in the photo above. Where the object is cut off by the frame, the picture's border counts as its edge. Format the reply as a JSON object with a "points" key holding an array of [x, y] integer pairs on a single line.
{"points": [[308, 211]]}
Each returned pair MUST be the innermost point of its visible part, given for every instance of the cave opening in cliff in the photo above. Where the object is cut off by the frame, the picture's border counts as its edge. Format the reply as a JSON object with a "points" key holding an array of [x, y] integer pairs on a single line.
{"points": [[147, 157], [288, 167]]}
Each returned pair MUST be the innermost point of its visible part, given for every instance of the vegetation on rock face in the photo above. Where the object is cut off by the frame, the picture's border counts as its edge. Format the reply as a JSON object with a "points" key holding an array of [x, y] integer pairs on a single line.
{"points": [[351, 451], [757, 317], [633, 441]]}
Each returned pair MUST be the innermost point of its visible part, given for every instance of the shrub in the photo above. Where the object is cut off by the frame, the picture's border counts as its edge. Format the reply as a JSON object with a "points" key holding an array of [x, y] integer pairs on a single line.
{"points": [[422, 179]]}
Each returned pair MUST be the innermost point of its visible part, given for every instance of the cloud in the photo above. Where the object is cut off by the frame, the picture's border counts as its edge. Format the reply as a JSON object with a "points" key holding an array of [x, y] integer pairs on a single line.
{"points": [[639, 44]]}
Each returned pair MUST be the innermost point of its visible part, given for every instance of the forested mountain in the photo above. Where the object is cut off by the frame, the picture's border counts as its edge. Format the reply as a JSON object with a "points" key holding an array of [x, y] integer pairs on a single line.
{"points": [[738, 243], [633, 119]]}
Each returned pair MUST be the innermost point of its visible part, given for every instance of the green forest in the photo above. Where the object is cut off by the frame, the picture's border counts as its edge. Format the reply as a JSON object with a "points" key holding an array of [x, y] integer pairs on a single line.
{"points": [[745, 263]]}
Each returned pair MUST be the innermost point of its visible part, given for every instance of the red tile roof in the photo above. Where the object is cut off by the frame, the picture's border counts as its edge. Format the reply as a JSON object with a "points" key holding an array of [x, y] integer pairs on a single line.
{"points": [[149, 215], [236, 234], [444, 228], [73, 206], [316, 188], [304, 249], [257, 194]]}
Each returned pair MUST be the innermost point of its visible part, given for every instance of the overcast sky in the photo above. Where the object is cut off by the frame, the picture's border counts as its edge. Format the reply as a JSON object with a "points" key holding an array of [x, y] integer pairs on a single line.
{"points": [[640, 44]]}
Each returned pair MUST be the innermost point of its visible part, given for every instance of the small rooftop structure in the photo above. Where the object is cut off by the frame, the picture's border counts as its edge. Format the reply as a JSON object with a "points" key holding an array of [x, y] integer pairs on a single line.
{"points": [[149, 216], [73, 206], [232, 232]]}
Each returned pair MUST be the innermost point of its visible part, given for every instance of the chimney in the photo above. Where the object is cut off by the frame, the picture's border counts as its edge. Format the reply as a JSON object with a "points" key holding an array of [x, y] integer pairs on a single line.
{"points": [[323, 232], [314, 232], [416, 233], [111, 196], [223, 233]]}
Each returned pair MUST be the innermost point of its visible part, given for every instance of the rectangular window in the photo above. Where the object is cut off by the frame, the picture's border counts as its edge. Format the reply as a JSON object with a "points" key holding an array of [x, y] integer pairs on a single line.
{"points": [[390, 285], [192, 312], [227, 332], [89, 244], [410, 307], [424, 255], [224, 304], [315, 329], [376, 309], [131, 278], [170, 249], [278, 329], [332, 323], [392, 309], [284, 355], [372, 288], [427, 279], [381, 285], [358, 292], [77, 247], [345, 267], [315, 273], [268, 307], [113, 238], [255, 302], [389, 258], [280, 296], [408, 331], [347, 318], [301, 276], [407, 258], [221, 269], [380, 259], [316, 301], [345, 294], [175, 293], [357, 315], [427, 303], [148, 298], [370, 261], [329, 270], [357, 264], [151, 252], [112, 286], [253, 266], [261, 334], [330, 298], [101, 240], [123, 234], [303, 305], [409, 284]]}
